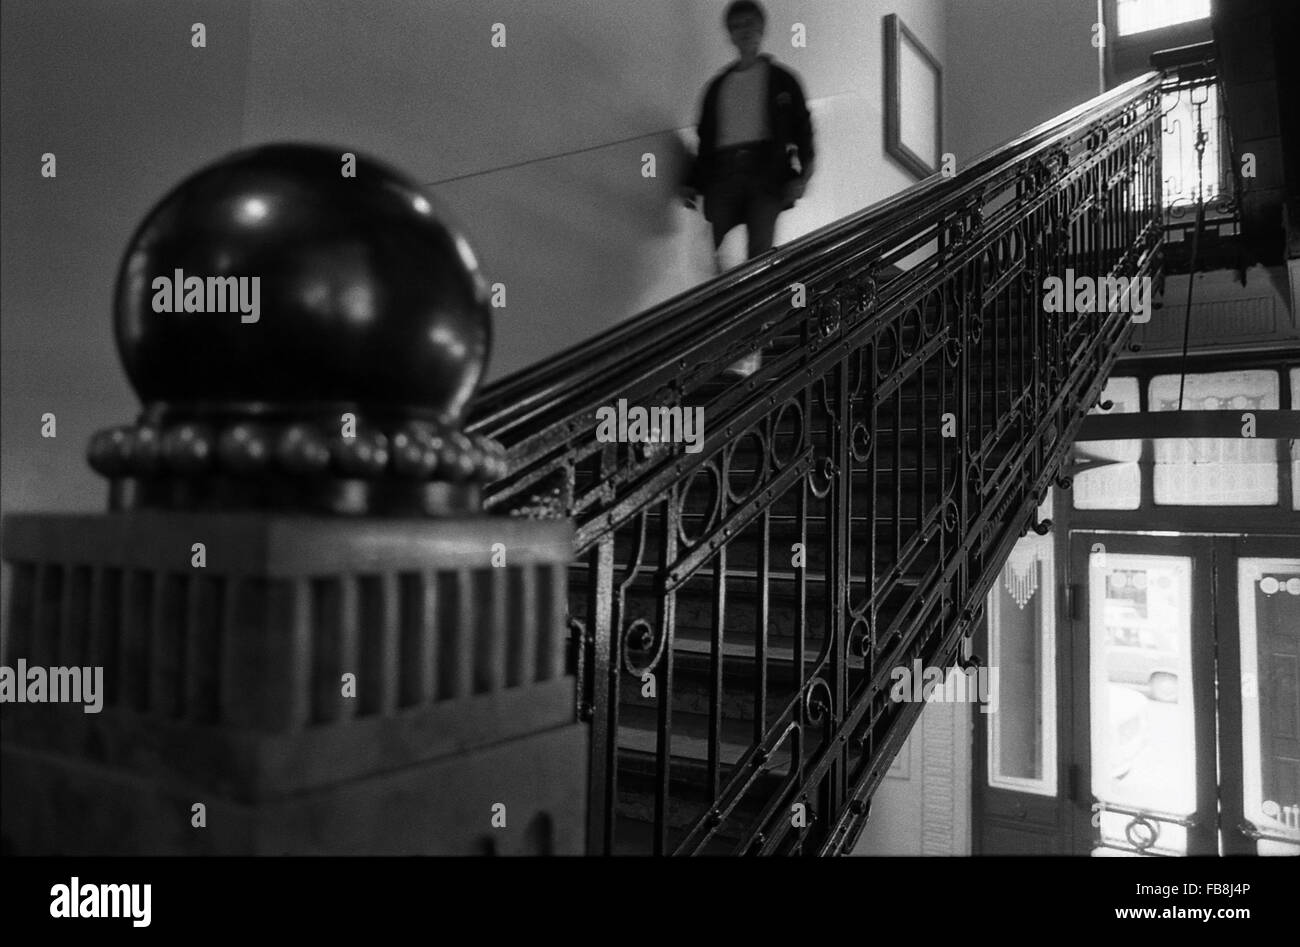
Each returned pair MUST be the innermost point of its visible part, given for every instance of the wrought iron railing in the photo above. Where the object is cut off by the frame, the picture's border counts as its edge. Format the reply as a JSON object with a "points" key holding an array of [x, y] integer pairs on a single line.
{"points": [[1202, 181], [737, 611]]}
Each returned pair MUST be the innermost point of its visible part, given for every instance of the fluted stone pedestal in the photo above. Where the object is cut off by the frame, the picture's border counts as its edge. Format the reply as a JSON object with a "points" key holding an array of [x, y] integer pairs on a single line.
{"points": [[317, 685]]}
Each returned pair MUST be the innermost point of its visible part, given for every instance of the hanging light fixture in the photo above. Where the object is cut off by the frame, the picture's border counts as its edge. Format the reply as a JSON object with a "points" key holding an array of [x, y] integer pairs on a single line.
{"points": [[1021, 573]]}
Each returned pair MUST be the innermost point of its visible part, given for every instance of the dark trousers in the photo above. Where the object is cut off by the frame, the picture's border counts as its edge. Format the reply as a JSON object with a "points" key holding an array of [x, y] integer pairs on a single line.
{"points": [[743, 191]]}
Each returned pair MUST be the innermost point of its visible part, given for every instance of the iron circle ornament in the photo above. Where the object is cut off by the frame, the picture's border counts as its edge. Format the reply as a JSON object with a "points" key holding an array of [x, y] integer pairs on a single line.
{"points": [[860, 636], [1142, 833], [715, 504], [823, 470], [818, 701], [952, 352], [790, 413], [860, 443], [911, 329], [932, 311], [951, 515], [754, 455], [640, 636], [886, 351]]}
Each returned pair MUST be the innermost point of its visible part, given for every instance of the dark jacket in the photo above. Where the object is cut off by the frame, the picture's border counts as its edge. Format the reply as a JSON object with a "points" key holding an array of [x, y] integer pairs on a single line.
{"points": [[788, 119]]}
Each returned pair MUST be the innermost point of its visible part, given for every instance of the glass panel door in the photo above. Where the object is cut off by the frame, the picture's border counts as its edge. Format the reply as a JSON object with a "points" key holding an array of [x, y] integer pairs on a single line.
{"points": [[1144, 734], [1268, 601], [1142, 708]]}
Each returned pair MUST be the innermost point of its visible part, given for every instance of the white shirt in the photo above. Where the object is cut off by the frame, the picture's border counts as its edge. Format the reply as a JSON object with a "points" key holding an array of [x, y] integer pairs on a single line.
{"points": [[742, 106]]}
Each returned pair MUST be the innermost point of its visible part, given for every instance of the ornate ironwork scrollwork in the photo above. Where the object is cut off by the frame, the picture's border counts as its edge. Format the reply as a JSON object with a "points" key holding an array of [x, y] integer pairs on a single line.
{"points": [[828, 315], [886, 350], [1142, 833], [795, 436], [818, 700], [641, 636], [860, 637], [952, 351], [711, 471], [736, 451], [951, 515], [822, 477], [860, 443]]}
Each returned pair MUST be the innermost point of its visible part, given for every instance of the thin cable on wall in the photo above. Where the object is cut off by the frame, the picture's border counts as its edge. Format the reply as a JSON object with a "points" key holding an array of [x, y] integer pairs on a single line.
{"points": [[1201, 138]]}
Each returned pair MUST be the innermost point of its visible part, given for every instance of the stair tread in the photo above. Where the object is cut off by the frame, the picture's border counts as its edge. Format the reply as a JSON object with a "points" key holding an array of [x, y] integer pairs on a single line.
{"points": [[638, 732], [690, 641]]}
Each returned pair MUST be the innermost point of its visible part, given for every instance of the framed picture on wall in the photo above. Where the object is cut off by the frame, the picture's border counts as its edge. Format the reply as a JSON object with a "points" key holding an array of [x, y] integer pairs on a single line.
{"points": [[913, 101]]}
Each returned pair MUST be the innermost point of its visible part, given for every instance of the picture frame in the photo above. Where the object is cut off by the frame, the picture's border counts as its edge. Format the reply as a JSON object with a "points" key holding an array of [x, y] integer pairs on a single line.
{"points": [[913, 101]]}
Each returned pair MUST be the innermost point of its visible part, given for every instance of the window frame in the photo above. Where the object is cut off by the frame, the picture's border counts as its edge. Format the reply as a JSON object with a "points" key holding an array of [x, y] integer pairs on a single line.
{"points": [[1147, 425], [1047, 784], [1129, 56]]}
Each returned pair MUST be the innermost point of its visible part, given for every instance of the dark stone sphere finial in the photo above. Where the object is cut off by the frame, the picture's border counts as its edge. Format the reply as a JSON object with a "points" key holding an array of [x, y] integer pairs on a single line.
{"points": [[305, 329]]}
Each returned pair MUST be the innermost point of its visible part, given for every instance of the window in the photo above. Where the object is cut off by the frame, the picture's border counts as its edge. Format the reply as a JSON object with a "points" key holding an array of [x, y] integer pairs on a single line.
{"points": [[1122, 393], [1108, 476], [1153, 467], [1295, 444], [1137, 28], [1250, 390], [1141, 16], [1022, 646], [1190, 178], [1215, 471]]}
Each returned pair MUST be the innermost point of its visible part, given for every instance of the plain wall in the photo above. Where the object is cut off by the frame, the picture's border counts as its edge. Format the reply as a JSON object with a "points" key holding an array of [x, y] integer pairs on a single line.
{"points": [[128, 107], [923, 805], [536, 149], [1014, 64]]}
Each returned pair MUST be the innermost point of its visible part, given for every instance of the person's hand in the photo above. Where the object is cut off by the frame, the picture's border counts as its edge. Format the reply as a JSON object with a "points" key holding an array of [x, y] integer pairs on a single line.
{"points": [[688, 195]]}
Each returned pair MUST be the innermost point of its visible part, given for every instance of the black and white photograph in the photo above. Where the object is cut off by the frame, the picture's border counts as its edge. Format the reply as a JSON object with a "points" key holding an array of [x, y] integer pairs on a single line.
{"points": [[605, 431]]}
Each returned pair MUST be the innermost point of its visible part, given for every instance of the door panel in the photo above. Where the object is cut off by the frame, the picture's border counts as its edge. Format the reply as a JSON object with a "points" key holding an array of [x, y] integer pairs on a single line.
{"points": [[1177, 704], [1262, 744], [1020, 788], [1141, 707], [1144, 733]]}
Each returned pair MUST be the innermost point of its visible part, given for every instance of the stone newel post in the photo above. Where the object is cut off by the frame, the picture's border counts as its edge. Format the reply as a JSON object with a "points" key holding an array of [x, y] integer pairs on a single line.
{"points": [[312, 639]]}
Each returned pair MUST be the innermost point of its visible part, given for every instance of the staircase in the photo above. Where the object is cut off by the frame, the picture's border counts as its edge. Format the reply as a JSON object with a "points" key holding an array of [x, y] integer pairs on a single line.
{"points": [[737, 670], [736, 612]]}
